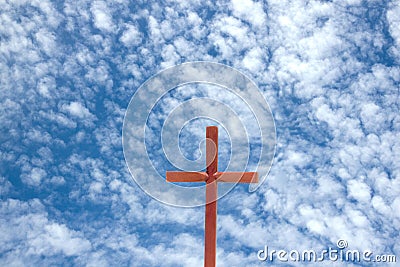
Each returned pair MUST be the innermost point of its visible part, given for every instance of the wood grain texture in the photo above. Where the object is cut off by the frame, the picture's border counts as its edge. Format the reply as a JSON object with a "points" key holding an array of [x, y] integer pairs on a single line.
{"points": [[212, 149], [237, 177], [210, 234], [186, 176]]}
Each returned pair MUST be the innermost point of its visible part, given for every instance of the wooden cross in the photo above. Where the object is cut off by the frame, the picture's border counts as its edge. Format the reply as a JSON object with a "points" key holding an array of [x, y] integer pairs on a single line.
{"points": [[211, 177]]}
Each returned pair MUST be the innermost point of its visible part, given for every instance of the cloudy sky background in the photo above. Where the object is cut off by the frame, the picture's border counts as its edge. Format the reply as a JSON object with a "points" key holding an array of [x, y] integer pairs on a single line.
{"points": [[68, 69]]}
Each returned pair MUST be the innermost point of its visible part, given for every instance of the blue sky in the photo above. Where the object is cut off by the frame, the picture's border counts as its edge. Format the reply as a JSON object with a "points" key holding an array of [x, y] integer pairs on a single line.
{"points": [[330, 71]]}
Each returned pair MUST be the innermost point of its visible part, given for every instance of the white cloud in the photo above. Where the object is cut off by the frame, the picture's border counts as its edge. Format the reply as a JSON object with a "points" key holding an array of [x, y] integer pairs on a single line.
{"points": [[36, 176], [61, 119], [47, 41], [393, 19], [250, 11], [76, 109], [169, 56], [131, 36], [57, 238], [31, 175], [101, 17], [395, 207], [371, 117], [380, 206], [359, 190], [46, 86], [5, 185], [254, 60], [25, 225]]}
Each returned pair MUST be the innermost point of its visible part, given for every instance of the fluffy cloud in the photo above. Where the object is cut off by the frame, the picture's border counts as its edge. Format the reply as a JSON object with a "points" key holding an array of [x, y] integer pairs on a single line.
{"points": [[131, 36], [102, 17], [28, 235], [76, 109]]}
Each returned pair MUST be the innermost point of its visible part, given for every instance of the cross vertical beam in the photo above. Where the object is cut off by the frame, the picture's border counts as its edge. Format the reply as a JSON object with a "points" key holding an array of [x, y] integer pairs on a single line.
{"points": [[210, 233]]}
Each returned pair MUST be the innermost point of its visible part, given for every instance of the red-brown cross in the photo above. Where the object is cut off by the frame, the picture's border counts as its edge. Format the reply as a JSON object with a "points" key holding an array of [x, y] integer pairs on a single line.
{"points": [[211, 177]]}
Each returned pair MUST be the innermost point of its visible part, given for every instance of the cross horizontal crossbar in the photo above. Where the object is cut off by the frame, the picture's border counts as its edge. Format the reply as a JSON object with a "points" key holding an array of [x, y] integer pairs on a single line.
{"points": [[226, 177], [186, 176]]}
